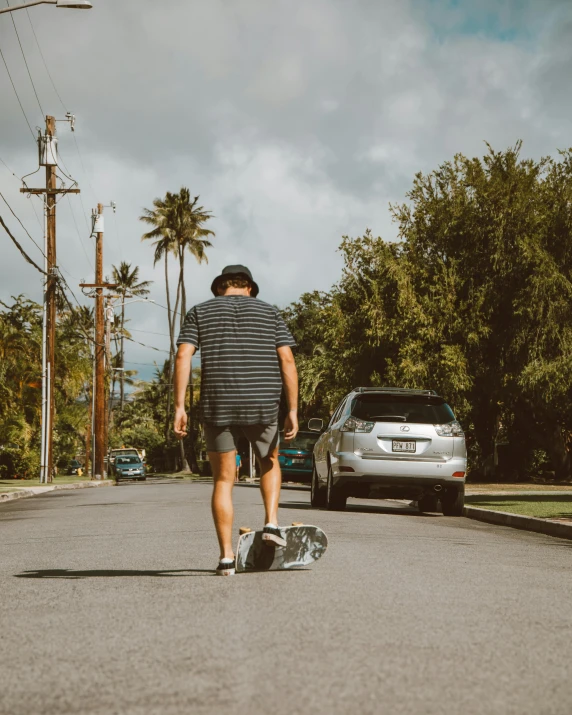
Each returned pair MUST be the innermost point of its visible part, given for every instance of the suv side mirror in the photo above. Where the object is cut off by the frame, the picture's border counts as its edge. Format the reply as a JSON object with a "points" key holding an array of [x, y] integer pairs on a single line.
{"points": [[315, 424]]}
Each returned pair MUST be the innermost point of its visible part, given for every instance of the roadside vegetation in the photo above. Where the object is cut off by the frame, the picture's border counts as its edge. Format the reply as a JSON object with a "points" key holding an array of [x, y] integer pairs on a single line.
{"points": [[21, 385], [474, 301]]}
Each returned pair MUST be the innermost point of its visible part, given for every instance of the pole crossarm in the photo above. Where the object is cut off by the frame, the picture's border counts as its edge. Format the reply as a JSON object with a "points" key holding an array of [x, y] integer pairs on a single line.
{"points": [[98, 285], [50, 192]]}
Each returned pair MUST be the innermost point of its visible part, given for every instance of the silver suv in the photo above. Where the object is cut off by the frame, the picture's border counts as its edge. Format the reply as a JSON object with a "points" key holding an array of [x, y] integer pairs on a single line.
{"points": [[391, 443]]}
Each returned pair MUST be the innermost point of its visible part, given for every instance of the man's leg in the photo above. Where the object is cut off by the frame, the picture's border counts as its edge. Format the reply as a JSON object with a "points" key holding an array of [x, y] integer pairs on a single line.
{"points": [[270, 483], [222, 456], [223, 469], [264, 441]]}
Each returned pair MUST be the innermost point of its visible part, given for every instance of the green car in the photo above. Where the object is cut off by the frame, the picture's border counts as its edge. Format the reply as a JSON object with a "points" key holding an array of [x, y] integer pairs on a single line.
{"points": [[295, 457], [129, 466]]}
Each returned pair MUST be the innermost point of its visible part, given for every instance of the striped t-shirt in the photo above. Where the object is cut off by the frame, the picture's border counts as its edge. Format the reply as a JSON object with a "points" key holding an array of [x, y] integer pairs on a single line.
{"points": [[237, 335]]}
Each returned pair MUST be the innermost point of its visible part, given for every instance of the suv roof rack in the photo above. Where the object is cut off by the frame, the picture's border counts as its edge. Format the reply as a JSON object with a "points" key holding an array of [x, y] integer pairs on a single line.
{"points": [[396, 390]]}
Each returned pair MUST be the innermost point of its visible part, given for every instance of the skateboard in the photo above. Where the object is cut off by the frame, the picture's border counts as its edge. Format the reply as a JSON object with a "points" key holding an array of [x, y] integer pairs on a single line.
{"points": [[304, 545]]}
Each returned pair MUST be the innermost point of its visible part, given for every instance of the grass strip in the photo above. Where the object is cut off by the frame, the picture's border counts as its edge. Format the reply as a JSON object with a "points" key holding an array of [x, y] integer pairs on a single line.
{"points": [[541, 507]]}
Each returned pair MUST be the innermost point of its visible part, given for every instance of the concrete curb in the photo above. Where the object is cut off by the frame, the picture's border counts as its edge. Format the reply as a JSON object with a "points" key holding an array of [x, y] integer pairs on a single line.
{"points": [[24, 492], [517, 521]]}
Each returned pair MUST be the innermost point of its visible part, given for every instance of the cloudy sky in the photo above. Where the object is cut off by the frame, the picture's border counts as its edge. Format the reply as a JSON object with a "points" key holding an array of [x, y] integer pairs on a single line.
{"points": [[296, 121]]}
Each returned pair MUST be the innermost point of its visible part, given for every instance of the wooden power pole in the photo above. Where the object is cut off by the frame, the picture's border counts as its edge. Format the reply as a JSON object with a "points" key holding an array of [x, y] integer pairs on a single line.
{"points": [[50, 302], [100, 407], [48, 156], [99, 391]]}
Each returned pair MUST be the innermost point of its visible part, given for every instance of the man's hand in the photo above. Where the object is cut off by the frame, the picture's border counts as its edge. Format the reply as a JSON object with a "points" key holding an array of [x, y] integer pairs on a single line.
{"points": [[291, 426], [180, 425], [181, 380]]}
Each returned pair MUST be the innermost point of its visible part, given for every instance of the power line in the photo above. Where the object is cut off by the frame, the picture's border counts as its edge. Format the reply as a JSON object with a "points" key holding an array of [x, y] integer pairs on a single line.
{"points": [[79, 235], [22, 225], [17, 95], [80, 198], [25, 61], [20, 180], [149, 332], [73, 134], [9, 169], [83, 166], [44, 61], [22, 251], [151, 347], [174, 312]]}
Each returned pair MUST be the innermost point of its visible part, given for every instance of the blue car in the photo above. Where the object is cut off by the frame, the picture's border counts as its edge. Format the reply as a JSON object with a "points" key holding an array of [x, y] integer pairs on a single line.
{"points": [[129, 466], [295, 457]]}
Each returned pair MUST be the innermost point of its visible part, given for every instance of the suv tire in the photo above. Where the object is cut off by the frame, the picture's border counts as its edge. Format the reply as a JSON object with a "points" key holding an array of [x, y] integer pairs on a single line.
{"points": [[318, 494], [453, 502], [335, 497]]}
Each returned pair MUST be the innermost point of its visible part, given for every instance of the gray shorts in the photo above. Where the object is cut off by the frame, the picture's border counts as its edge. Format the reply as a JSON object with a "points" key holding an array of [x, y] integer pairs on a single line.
{"points": [[263, 438]]}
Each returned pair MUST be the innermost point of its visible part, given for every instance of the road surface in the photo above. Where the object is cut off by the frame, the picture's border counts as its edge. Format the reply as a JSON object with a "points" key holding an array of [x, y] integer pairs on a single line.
{"points": [[109, 605]]}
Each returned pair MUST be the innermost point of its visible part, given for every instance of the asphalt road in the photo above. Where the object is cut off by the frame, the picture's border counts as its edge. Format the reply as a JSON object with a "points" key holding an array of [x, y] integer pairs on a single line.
{"points": [[108, 605]]}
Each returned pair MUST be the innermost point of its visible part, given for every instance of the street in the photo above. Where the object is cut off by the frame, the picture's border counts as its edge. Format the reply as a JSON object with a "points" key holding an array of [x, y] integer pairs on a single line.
{"points": [[109, 605]]}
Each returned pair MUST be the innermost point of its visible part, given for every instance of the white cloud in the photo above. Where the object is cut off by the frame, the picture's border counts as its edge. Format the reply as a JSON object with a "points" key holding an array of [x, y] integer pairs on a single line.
{"points": [[295, 122]]}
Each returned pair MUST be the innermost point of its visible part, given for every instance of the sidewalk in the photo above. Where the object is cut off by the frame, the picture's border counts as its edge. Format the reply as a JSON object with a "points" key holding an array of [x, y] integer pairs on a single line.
{"points": [[23, 492]]}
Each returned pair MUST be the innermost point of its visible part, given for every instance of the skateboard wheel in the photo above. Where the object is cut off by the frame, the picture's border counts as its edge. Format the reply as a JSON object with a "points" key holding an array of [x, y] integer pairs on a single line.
{"points": [[297, 523], [244, 530]]}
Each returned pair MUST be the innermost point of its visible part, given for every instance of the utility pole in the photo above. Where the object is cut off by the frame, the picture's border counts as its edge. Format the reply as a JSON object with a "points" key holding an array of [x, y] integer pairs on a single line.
{"points": [[51, 284], [48, 157], [99, 393], [99, 387]]}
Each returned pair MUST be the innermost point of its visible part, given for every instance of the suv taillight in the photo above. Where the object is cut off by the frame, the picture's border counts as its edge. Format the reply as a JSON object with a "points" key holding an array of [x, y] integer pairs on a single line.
{"points": [[451, 429], [353, 424]]}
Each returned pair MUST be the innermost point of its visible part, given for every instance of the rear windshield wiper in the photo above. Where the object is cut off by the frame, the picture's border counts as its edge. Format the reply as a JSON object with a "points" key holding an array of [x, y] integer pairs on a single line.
{"points": [[388, 418]]}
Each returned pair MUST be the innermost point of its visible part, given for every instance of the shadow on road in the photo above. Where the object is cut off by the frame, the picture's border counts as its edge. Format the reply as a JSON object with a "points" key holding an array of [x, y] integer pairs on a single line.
{"points": [[71, 574], [397, 510]]}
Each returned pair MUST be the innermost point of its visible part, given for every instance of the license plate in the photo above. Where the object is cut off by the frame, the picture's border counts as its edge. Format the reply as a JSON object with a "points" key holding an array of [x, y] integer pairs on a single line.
{"points": [[400, 446], [298, 461]]}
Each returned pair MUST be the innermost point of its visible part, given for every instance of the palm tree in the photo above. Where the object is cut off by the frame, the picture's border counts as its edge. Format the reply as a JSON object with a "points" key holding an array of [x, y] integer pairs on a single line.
{"points": [[178, 227], [128, 285]]}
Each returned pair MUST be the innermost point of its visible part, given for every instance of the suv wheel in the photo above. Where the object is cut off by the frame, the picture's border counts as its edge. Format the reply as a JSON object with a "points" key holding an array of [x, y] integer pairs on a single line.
{"points": [[318, 495], [427, 502], [453, 501], [335, 498]]}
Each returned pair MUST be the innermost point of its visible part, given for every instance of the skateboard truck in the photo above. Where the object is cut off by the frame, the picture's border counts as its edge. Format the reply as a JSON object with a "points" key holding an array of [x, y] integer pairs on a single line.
{"points": [[247, 529]]}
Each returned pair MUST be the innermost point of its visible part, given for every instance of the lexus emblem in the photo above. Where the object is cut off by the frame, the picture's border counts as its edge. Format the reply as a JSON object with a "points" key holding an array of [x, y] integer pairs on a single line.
{"points": [[404, 428]]}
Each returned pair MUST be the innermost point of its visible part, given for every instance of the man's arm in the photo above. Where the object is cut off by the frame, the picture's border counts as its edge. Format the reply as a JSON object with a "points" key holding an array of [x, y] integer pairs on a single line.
{"points": [[290, 382], [181, 380]]}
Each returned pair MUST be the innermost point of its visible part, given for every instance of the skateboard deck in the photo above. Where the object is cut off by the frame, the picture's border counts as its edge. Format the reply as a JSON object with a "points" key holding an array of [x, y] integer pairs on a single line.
{"points": [[304, 545]]}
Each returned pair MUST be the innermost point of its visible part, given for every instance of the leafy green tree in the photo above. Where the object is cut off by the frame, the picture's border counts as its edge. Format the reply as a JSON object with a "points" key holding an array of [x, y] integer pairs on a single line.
{"points": [[474, 301]]}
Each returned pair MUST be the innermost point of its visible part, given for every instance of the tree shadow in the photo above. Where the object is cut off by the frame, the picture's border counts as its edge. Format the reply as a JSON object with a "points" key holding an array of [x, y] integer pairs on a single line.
{"points": [[111, 573]]}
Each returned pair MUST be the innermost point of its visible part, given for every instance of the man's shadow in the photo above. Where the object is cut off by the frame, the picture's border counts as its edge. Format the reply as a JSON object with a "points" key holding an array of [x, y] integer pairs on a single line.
{"points": [[112, 573]]}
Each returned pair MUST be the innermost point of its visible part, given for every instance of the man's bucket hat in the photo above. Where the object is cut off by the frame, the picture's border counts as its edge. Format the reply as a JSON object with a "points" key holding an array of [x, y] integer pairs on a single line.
{"points": [[228, 271]]}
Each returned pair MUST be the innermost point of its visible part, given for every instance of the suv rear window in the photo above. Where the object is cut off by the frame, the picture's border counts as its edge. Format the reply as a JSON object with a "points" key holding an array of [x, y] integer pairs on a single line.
{"points": [[418, 409]]}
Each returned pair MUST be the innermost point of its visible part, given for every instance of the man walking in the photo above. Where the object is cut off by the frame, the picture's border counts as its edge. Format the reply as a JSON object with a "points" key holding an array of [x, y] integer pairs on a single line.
{"points": [[246, 360]]}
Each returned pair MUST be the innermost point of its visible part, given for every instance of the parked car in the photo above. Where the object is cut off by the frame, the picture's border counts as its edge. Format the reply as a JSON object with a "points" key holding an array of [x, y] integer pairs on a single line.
{"points": [[74, 466], [391, 443], [295, 457], [129, 466]]}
